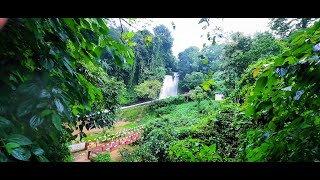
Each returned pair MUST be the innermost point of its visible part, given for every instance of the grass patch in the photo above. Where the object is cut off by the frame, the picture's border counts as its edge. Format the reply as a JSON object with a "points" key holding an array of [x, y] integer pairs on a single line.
{"points": [[134, 113]]}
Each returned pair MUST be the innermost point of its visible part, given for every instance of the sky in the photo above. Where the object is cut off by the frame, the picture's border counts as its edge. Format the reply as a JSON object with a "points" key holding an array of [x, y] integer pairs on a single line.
{"points": [[187, 32]]}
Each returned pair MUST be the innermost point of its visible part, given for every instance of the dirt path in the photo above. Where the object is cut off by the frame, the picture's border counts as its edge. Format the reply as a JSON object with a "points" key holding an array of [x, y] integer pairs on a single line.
{"points": [[81, 156], [115, 155]]}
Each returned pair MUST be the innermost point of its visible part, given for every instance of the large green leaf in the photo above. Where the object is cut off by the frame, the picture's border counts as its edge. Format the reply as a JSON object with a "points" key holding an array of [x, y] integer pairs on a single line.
{"points": [[98, 51], [205, 86], [19, 139], [10, 146], [21, 153], [217, 157], [45, 112], [130, 34], [206, 148], [67, 64], [213, 147], [298, 41], [130, 61], [291, 60], [59, 105], [35, 121], [261, 83], [56, 120], [306, 48], [279, 61], [25, 108], [249, 111], [38, 151], [210, 81], [5, 123], [272, 126], [42, 159], [103, 25]]}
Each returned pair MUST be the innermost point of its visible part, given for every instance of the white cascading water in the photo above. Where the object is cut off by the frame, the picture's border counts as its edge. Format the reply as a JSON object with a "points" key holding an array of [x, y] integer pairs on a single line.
{"points": [[170, 86]]}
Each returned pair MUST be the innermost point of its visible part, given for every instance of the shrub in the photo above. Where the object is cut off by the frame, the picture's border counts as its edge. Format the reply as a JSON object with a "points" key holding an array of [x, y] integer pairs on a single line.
{"points": [[165, 110], [148, 89], [191, 81], [104, 157], [127, 97], [192, 150], [167, 102]]}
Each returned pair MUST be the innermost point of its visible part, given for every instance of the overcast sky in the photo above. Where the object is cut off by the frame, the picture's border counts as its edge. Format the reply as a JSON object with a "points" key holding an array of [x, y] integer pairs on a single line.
{"points": [[187, 32]]}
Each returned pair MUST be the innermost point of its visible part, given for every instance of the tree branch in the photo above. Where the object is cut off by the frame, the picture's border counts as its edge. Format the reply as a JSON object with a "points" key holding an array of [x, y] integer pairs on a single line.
{"points": [[121, 30], [130, 24]]}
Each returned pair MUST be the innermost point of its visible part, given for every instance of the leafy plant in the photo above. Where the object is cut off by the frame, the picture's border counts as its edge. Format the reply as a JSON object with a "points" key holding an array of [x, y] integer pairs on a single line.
{"points": [[148, 89], [192, 150], [50, 74], [164, 110], [284, 104], [198, 95], [192, 80], [103, 157], [167, 102]]}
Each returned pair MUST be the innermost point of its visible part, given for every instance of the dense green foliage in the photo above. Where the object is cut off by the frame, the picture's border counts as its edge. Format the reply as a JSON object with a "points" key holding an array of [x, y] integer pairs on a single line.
{"points": [[191, 81], [153, 60], [58, 75], [283, 27], [188, 61], [148, 89], [242, 51], [198, 94], [50, 73], [284, 103], [174, 134], [191, 150], [127, 96], [272, 114], [104, 157], [167, 102]]}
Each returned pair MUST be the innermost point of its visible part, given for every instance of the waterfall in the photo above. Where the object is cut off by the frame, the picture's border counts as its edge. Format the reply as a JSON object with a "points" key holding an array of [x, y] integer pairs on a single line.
{"points": [[170, 86]]}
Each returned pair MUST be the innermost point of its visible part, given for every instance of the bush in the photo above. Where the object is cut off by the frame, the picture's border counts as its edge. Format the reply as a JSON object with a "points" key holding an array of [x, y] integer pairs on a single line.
{"points": [[198, 94], [192, 150], [165, 110], [129, 156], [167, 102], [148, 89], [127, 97], [104, 157], [192, 80]]}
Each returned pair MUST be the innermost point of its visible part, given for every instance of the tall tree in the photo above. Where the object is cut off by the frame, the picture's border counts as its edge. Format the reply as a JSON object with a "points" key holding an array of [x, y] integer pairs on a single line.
{"points": [[188, 61], [213, 54], [283, 27], [244, 50]]}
